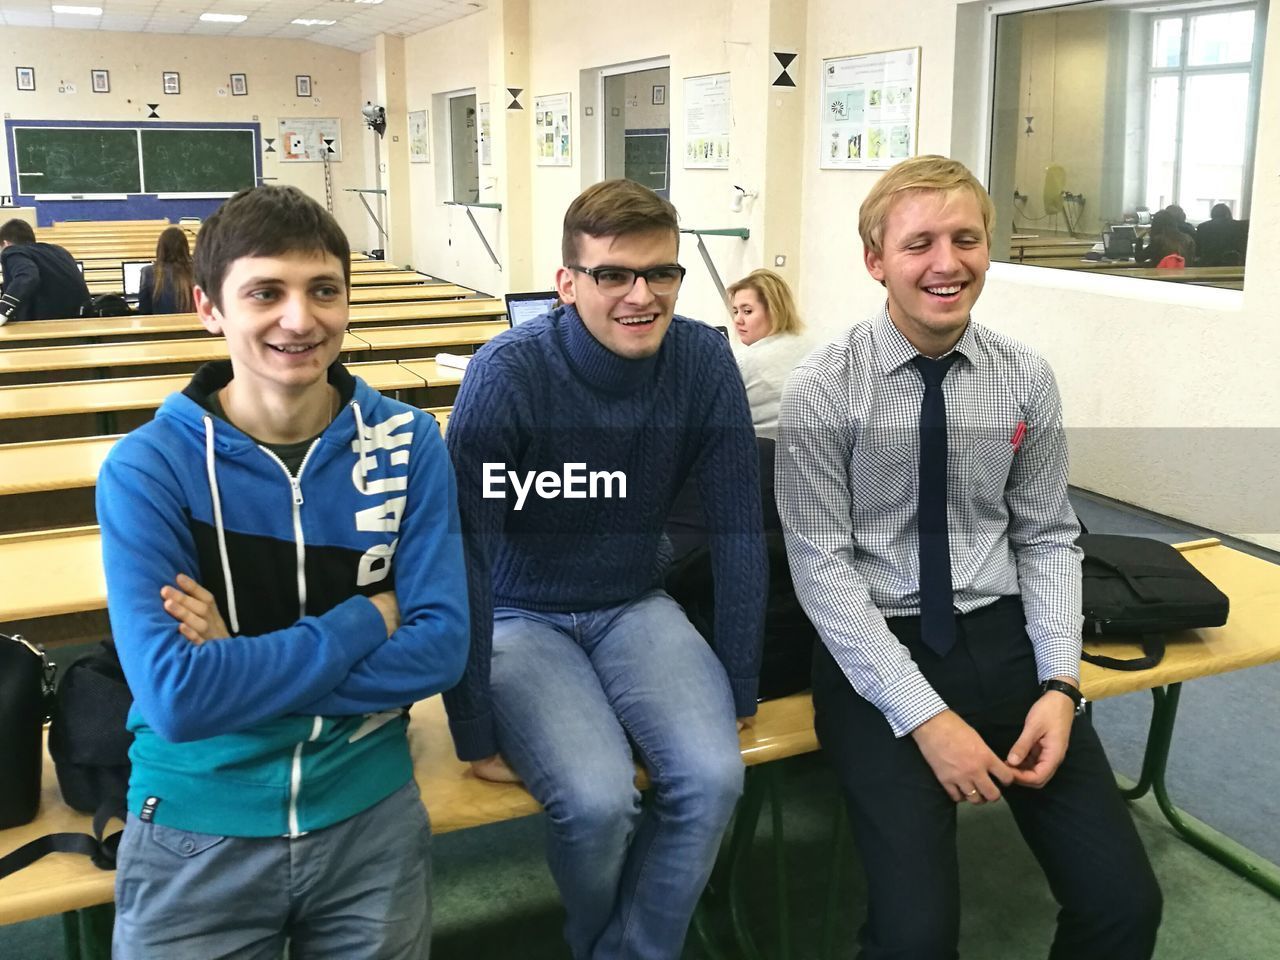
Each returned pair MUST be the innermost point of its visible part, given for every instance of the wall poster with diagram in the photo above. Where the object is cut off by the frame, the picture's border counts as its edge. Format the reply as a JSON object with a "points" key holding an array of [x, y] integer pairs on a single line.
{"points": [[708, 121], [870, 110], [551, 141]]}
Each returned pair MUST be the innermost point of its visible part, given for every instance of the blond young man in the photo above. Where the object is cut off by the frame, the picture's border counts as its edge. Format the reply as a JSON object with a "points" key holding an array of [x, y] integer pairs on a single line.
{"points": [[922, 485]]}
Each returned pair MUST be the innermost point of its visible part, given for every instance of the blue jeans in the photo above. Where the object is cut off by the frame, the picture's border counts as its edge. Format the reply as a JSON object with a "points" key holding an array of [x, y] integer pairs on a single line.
{"points": [[571, 693], [359, 889]]}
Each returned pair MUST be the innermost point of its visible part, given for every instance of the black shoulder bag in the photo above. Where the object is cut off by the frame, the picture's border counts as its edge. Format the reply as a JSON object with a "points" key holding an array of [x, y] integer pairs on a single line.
{"points": [[1139, 587]]}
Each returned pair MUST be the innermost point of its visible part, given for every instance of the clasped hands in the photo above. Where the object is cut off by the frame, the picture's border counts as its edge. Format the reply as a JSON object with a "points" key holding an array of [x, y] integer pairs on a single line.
{"points": [[970, 771]]}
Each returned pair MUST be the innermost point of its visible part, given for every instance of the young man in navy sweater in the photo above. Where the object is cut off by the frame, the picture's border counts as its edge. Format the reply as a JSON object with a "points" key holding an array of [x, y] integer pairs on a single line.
{"points": [[284, 571], [41, 280], [571, 436]]}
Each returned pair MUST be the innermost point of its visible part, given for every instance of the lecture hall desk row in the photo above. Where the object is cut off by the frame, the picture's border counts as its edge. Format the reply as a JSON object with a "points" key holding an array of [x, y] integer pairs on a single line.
{"points": [[114, 281], [179, 325], [52, 411], [109, 270], [115, 359]]}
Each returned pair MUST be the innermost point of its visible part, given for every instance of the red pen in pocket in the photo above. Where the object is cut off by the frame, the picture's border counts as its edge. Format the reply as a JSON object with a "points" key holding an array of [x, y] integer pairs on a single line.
{"points": [[1018, 434]]}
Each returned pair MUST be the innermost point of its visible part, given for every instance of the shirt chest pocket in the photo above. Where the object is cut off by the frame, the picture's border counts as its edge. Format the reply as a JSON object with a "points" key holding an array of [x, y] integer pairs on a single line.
{"points": [[881, 478], [990, 460]]}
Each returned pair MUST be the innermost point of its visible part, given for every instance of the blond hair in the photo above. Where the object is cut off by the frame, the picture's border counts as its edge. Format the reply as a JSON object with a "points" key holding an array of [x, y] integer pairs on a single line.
{"points": [[776, 297], [926, 173]]}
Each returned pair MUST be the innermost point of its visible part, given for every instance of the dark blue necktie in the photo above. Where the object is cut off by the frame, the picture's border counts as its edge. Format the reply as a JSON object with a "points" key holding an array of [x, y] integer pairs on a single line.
{"points": [[937, 620]]}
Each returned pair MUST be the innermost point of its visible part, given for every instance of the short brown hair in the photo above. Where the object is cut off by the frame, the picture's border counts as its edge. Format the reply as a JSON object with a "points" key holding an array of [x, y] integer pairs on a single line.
{"points": [[927, 173], [265, 221], [17, 232], [613, 208], [776, 297]]}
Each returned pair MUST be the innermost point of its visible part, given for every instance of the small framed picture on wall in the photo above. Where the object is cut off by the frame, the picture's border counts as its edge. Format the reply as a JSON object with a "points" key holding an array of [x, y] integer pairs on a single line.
{"points": [[302, 85], [239, 85], [100, 81], [172, 84], [659, 94], [26, 78]]}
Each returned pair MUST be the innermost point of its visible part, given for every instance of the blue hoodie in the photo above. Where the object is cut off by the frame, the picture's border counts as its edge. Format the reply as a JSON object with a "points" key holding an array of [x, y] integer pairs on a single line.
{"points": [[297, 720]]}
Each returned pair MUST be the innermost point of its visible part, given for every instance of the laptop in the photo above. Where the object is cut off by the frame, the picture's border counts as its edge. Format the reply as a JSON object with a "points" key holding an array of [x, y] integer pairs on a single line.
{"points": [[1119, 241], [132, 270], [529, 306]]}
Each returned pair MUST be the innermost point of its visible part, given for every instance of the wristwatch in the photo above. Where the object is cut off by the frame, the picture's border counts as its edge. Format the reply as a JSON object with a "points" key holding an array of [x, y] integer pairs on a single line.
{"points": [[1070, 689]]}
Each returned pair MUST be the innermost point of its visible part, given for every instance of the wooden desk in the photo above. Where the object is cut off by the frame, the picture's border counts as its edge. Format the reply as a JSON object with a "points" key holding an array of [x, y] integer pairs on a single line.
{"points": [[429, 338], [105, 356], [435, 374], [404, 292], [52, 464], [70, 577], [142, 393], [31, 332], [366, 278]]}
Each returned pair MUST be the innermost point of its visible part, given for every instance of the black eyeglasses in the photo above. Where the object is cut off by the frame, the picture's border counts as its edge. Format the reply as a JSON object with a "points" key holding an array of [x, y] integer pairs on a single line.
{"points": [[618, 281]]}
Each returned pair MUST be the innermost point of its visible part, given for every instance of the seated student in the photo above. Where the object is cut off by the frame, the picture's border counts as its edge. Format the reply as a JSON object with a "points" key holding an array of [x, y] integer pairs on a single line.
{"points": [[1180, 219], [1165, 239], [922, 485], [578, 657], [770, 330], [41, 280], [166, 283], [1220, 239], [285, 574]]}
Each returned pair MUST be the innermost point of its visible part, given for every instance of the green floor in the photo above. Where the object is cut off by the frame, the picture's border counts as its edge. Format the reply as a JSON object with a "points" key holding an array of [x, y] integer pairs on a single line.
{"points": [[495, 900]]}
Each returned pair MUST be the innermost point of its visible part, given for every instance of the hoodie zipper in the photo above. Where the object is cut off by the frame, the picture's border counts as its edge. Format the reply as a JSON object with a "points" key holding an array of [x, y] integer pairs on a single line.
{"points": [[300, 553]]}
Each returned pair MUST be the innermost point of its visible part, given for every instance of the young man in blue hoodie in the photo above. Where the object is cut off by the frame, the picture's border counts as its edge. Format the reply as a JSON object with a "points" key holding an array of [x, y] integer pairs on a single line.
{"points": [[571, 435], [284, 572]]}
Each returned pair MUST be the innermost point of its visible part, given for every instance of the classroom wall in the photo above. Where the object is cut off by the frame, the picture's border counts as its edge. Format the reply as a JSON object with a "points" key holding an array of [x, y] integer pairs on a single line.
{"points": [[447, 59], [204, 65], [1172, 394]]}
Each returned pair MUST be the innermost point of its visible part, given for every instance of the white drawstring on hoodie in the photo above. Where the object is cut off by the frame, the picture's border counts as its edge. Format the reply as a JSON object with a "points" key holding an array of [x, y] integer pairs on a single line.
{"points": [[217, 522]]}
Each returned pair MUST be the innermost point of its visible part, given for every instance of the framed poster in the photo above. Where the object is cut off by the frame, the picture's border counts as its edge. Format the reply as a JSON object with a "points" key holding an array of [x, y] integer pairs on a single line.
{"points": [[551, 136], [99, 81], [708, 121], [870, 110], [310, 139], [659, 95], [26, 77], [302, 85], [171, 82], [239, 85], [419, 137]]}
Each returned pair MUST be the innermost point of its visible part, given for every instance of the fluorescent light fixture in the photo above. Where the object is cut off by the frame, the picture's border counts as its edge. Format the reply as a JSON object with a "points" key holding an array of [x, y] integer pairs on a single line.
{"points": [[314, 23], [223, 17], [78, 11]]}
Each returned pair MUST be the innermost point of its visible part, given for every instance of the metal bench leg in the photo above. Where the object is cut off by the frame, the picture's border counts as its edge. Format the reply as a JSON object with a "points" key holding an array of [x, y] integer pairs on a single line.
{"points": [[1257, 870]]}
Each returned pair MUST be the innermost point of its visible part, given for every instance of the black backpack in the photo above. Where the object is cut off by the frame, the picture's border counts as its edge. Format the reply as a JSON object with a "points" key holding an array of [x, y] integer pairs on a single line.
{"points": [[90, 749], [107, 305], [787, 662]]}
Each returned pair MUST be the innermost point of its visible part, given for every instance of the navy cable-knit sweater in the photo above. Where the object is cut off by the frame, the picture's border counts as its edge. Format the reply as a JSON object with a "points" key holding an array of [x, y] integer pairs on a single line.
{"points": [[547, 394]]}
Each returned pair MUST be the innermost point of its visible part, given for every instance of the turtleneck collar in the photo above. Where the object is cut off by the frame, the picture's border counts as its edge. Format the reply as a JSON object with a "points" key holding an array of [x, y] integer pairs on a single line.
{"points": [[601, 368]]}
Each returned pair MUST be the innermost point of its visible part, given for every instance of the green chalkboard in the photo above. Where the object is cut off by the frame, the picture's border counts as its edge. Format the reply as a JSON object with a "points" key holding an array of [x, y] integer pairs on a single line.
{"points": [[77, 160], [198, 161], [645, 160]]}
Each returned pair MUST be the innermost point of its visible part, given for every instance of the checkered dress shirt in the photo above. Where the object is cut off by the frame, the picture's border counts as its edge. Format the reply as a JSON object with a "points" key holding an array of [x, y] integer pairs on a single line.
{"points": [[848, 464]]}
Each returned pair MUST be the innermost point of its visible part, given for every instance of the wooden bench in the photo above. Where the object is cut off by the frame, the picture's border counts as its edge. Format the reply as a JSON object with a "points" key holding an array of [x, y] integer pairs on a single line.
{"points": [[407, 292], [784, 728], [160, 326], [111, 281]]}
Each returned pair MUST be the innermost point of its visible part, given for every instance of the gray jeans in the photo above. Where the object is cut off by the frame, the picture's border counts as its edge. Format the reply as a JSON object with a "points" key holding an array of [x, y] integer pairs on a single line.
{"points": [[360, 890]]}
